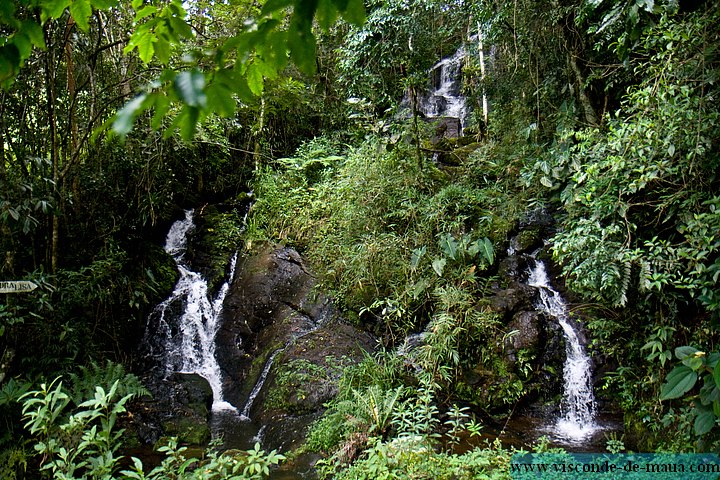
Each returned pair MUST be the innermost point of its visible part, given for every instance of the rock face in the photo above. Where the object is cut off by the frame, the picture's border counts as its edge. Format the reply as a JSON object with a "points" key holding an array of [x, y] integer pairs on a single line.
{"points": [[271, 302], [180, 407], [273, 312]]}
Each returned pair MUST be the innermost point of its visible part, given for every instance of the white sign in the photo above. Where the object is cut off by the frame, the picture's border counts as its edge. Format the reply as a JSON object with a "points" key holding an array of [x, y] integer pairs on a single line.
{"points": [[18, 286]]}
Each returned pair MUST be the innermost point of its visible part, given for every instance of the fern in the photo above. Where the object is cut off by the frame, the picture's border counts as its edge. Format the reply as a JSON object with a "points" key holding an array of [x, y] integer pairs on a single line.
{"points": [[84, 383]]}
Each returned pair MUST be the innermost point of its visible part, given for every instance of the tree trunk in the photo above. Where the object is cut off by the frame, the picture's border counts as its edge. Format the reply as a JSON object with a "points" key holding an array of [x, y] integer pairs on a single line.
{"points": [[482, 75], [54, 150], [585, 103]]}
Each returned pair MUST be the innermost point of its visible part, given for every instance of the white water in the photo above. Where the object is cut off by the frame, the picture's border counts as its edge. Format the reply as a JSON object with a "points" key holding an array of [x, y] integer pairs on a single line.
{"points": [[449, 86], [190, 348], [259, 384], [578, 409], [444, 99]]}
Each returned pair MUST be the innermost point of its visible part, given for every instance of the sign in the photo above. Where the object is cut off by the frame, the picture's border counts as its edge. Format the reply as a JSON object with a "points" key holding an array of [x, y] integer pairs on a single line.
{"points": [[19, 286]]}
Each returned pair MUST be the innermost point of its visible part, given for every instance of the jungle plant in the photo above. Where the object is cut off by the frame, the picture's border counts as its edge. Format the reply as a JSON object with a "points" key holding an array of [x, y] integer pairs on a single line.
{"points": [[82, 444], [252, 464], [696, 367]]}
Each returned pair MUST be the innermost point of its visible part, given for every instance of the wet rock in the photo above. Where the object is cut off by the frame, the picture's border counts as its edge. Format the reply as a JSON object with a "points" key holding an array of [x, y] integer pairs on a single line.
{"points": [[187, 429], [528, 327], [538, 217], [179, 407], [526, 241], [512, 267], [305, 377], [192, 391], [516, 298], [271, 301]]}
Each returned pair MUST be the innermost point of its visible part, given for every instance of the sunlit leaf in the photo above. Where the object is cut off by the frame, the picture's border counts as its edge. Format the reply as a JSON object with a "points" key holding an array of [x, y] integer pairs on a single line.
{"points": [[53, 9], [81, 10], [439, 265]]}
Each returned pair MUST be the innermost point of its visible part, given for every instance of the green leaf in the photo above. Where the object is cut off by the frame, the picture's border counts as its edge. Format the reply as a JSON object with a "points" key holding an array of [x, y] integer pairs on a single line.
{"points": [[104, 4], [439, 265], [145, 11], [354, 12], [254, 78], [188, 120], [125, 117], [300, 37], [180, 27], [34, 32], [7, 13], [52, 9], [326, 14], [705, 419], [81, 10], [685, 351], [9, 61], [416, 255], [23, 45], [545, 181], [273, 5], [486, 250], [190, 88], [448, 245], [678, 382], [220, 99], [162, 105]]}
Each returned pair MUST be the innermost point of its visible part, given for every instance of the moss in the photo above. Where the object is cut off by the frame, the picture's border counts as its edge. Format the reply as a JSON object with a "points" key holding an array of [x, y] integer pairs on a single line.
{"points": [[188, 430]]}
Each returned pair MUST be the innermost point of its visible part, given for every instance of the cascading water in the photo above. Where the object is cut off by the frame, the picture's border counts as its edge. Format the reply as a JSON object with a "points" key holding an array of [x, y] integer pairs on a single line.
{"points": [[445, 98], [245, 414], [190, 346], [259, 384], [578, 409]]}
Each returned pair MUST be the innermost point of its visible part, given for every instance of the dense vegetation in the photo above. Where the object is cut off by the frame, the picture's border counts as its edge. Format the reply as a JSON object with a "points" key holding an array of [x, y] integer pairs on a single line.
{"points": [[114, 115]]}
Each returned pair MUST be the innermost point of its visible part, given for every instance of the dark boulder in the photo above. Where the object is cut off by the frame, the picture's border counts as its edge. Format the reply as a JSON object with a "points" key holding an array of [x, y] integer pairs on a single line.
{"points": [[179, 407], [272, 301]]}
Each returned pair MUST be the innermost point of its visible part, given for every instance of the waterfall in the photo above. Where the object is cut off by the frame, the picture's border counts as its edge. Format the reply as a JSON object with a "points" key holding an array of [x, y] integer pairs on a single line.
{"points": [[189, 346], [444, 100], [578, 408]]}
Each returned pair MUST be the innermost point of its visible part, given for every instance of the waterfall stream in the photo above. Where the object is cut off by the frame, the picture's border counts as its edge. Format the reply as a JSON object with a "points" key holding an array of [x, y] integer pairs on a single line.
{"points": [[259, 384], [189, 345], [444, 99], [578, 409]]}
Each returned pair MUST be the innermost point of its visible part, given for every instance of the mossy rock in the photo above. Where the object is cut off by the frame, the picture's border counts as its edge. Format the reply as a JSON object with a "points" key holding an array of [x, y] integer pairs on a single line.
{"points": [[526, 240], [188, 430]]}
